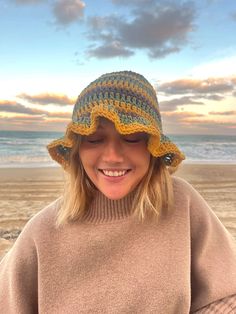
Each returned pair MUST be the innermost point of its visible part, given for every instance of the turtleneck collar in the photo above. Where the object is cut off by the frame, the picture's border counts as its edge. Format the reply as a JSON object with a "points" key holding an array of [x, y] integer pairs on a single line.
{"points": [[103, 209]]}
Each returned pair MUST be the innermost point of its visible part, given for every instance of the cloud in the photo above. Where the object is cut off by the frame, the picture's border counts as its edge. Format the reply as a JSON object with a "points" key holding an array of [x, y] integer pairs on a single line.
{"points": [[19, 111], [160, 29], [211, 124], [215, 97], [23, 119], [223, 113], [68, 11], [33, 123], [20, 117], [182, 115], [173, 121], [162, 52], [45, 99], [203, 87], [110, 50], [14, 107], [192, 123], [61, 115], [172, 105]]}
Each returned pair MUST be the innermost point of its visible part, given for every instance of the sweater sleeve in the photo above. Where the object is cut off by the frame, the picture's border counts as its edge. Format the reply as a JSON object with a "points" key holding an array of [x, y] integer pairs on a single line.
{"points": [[226, 306], [213, 256], [18, 277]]}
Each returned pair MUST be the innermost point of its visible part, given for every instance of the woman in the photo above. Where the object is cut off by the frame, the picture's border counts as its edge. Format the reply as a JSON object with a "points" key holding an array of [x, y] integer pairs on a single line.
{"points": [[127, 237]]}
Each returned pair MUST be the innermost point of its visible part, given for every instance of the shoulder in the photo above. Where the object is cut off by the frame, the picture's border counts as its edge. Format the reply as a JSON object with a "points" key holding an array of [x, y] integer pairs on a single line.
{"points": [[47, 214], [180, 184], [43, 222], [183, 190], [187, 198], [36, 232]]}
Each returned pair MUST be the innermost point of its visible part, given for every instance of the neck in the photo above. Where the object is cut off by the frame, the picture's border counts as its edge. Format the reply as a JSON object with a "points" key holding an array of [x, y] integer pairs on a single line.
{"points": [[103, 209]]}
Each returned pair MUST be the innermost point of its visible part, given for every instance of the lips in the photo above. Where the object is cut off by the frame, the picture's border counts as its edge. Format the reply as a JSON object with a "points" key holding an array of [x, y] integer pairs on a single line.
{"points": [[114, 172]]}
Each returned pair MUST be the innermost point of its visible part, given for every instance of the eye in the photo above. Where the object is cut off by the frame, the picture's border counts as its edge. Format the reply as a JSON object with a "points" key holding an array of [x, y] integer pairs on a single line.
{"points": [[94, 141], [134, 138]]}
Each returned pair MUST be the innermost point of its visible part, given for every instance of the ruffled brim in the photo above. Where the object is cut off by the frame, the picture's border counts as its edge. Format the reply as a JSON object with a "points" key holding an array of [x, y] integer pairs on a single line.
{"points": [[159, 145]]}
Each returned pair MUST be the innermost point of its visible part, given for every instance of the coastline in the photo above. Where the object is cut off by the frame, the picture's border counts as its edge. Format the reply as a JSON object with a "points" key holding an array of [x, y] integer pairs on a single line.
{"points": [[25, 191]]}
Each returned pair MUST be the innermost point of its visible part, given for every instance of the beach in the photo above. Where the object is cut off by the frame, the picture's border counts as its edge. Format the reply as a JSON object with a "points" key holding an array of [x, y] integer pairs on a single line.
{"points": [[25, 191]]}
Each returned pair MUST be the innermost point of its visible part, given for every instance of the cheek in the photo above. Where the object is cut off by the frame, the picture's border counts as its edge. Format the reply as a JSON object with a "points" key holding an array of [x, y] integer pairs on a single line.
{"points": [[142, 158], [88, 158]]}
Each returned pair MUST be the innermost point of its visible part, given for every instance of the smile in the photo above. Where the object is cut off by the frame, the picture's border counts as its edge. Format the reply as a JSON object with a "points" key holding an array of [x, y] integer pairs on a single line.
{"points": [[115, 173]]}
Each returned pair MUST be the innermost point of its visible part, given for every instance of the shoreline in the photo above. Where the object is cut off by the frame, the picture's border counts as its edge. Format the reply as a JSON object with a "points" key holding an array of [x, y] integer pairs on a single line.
{"points": [[25, 191]]}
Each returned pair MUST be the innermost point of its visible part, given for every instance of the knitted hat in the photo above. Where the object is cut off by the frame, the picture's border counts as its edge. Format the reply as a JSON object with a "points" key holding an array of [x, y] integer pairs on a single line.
{"points": [[129, 101]]}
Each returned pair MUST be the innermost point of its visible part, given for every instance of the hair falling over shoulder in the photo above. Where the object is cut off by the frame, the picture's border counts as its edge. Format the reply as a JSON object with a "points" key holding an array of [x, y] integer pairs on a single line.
{"points": [[153, 197]]}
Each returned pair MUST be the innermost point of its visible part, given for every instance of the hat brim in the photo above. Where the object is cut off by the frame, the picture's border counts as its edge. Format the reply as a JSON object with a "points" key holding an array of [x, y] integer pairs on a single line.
{"points": [[159, 145]]}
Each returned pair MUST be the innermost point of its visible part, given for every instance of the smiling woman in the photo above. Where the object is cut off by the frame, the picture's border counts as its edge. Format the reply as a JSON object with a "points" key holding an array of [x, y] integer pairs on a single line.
{"points": [[108, 157], [125, 229]]}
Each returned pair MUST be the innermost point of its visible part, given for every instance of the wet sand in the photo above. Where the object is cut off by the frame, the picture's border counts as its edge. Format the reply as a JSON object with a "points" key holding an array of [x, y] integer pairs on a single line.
{"points": [[23, 192]]}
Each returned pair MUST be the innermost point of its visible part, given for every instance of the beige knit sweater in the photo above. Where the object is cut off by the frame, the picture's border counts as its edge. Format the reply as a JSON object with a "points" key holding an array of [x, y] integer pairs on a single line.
{"points": [[111, 263]]}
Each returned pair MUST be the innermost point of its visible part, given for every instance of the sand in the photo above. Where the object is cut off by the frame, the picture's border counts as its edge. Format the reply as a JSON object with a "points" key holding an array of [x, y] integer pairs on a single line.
{"points": [[23, 192]]}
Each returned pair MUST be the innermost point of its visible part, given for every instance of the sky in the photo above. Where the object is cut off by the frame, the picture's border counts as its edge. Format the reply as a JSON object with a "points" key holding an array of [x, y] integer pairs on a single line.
{"points": [[51, 49]]}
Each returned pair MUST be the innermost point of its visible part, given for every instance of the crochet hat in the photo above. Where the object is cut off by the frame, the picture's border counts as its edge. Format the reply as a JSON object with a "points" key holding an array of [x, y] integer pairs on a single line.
{"points": [[130, 102]]}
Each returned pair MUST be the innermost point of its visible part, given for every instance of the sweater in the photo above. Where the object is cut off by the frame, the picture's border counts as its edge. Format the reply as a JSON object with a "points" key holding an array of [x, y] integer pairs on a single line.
{"points": [[112, 263]]}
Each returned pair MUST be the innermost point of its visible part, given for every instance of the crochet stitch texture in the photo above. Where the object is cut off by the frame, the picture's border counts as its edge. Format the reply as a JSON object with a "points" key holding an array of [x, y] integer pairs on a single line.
{"points": [[130, 102]]}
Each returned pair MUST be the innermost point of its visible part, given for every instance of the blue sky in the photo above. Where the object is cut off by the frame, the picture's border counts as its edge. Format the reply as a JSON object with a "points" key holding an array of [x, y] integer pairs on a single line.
{"points": [[51, 49]]}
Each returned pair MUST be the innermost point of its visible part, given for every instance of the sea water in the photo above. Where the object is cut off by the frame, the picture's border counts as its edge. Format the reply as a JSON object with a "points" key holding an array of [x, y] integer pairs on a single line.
{"points": [[28, 149]]}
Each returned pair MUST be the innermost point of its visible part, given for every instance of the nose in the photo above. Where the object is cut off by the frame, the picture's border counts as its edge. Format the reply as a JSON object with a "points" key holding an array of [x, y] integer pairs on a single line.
{"points": [[113, 152]]}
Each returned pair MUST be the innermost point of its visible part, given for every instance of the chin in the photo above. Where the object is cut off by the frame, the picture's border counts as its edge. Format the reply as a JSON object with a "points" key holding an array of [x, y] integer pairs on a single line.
{"points": [[115, 196]]}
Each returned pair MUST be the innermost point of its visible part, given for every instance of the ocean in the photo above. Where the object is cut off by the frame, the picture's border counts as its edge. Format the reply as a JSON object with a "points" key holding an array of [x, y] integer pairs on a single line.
{"points": [[28, 149]]}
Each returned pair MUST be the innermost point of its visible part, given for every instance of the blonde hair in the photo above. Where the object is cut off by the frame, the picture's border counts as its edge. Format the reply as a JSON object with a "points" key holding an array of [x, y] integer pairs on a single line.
{"points": [[153, 196]]}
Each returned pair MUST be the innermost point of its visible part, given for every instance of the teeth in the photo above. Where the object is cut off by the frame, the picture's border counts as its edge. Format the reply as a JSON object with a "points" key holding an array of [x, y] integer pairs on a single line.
{"points": [[114, 173]]}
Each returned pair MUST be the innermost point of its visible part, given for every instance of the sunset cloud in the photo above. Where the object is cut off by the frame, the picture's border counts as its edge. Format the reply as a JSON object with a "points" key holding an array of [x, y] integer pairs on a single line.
{"points": [[40, 123], [192, 123], [172, 105], [110, 50], [68, 11], [215, 97], [182, 115], [223, 113], [208, 86], [14, 107], [173, 121], [11, 109], [211, 124], [21, 122], [158, 28], [45, 99], [62, 115]]}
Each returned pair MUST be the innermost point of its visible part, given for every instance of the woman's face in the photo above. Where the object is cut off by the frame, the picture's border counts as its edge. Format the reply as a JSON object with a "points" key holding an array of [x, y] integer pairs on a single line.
{"points": [[115, 163]]}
